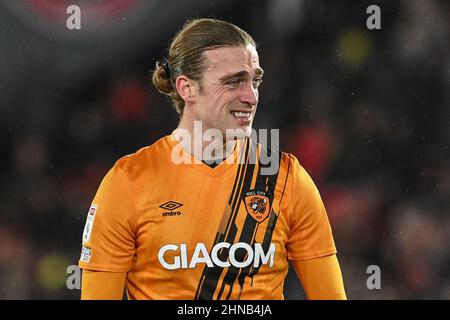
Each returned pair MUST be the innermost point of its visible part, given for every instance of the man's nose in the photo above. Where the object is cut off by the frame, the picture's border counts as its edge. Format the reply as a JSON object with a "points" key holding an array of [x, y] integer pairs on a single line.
{"points": [[249, 94]]}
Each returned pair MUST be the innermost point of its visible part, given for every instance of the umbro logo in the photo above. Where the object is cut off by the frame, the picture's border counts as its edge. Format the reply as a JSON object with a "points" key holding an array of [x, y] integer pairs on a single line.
{"points": [[171, 205]]}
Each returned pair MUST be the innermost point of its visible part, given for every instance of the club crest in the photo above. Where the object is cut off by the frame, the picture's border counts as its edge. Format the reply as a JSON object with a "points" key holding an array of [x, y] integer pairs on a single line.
{"points": [[257, 205]]}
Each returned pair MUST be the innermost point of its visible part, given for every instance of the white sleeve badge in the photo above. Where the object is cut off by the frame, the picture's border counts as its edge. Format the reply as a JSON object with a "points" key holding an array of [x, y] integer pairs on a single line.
{"points": [[85, 254], [89, 223]]}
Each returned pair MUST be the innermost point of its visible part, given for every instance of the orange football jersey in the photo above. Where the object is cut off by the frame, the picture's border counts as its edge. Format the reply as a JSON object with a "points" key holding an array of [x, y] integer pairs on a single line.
{"points": [[189, 231]]}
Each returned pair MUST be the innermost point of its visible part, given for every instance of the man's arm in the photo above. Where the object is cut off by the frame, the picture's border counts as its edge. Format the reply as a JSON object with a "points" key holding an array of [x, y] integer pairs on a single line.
{"points": [[321, 278], [99, 285], [108, 237]]}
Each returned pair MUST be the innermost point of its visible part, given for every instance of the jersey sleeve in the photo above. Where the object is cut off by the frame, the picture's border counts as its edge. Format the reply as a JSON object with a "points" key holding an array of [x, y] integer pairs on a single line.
{"points": [[310, 234], [109, 235]]}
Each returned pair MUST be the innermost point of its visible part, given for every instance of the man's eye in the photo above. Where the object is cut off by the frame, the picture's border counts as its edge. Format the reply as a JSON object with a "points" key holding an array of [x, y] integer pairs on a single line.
{"points": [[257, 82], [234, 83]]}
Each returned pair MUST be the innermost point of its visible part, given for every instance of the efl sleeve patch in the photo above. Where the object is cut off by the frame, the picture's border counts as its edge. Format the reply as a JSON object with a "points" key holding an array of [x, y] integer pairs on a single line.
{"points": [[85, 254], [89, 223]]}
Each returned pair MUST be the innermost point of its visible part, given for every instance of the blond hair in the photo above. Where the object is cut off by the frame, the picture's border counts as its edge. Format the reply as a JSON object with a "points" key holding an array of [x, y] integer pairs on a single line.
{"points": [[186, 57]]}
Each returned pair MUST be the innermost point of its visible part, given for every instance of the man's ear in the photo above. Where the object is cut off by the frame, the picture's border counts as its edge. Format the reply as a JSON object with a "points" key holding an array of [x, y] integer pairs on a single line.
{"points": [[186, 88]]}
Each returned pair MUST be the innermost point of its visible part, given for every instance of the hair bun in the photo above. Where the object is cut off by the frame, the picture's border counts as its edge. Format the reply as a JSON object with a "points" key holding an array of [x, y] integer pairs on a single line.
{"points": [[161, 78]]}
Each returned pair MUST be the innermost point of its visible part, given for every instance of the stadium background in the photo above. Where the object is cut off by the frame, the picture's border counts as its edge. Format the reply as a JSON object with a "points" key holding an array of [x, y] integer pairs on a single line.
{"points": [[366, 112]]}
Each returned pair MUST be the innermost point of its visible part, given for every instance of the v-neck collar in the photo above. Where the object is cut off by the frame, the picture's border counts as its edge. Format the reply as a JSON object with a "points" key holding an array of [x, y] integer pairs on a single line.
{"points": [[231, 161]]}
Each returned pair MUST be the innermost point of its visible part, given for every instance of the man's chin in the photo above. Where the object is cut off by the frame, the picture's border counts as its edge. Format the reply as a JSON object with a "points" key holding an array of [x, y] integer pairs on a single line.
{"points": [[238, 133]]}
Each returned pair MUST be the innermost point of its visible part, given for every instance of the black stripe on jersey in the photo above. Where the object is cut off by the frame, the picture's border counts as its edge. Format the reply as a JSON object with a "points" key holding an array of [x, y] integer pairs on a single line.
{"points": [[273, 218], [247, 236], [250, 271], [285, 181], [232, 272], [250, 227], [210, 276]]}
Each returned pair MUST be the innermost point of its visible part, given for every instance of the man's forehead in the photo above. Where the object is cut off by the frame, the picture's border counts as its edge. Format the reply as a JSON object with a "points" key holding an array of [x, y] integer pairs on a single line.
{"points": [[226, 59]]}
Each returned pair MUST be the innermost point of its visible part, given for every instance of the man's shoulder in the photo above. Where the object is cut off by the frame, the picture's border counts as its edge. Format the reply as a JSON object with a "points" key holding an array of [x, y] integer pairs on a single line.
{"points": [[146, 157], [285, 158]]}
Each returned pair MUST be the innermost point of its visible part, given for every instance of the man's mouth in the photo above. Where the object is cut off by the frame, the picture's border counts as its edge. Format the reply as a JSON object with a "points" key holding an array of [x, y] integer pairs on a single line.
{"points": [[241, 114]]}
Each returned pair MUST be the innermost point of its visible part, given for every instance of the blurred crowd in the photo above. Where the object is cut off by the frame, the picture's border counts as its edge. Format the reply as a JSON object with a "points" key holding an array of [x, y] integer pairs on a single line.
{"points": [[367, 112]]}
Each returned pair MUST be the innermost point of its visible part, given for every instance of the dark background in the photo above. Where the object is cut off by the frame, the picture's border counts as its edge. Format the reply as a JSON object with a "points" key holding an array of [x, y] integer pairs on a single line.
{"points": [[365, 111]]}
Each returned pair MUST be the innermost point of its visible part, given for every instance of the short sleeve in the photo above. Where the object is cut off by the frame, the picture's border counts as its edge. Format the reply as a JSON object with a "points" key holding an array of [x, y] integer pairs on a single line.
{"points": [[109, 237], [310, 234]]}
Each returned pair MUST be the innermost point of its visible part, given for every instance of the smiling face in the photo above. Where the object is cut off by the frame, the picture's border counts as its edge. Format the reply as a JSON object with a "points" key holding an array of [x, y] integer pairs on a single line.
{"points": [[229, 90]]}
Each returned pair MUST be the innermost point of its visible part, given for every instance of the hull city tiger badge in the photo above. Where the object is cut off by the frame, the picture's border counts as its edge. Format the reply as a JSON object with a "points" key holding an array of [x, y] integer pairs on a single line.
{"points": [[257, 205]]}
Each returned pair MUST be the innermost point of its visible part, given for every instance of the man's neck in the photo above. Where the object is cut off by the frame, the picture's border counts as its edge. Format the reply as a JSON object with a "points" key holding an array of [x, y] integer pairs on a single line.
{"points": [[202, 145]]}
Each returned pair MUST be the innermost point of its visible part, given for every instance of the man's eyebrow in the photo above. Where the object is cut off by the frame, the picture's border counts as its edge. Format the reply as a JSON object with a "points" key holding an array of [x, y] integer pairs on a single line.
{"points": [[258, 72]]}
